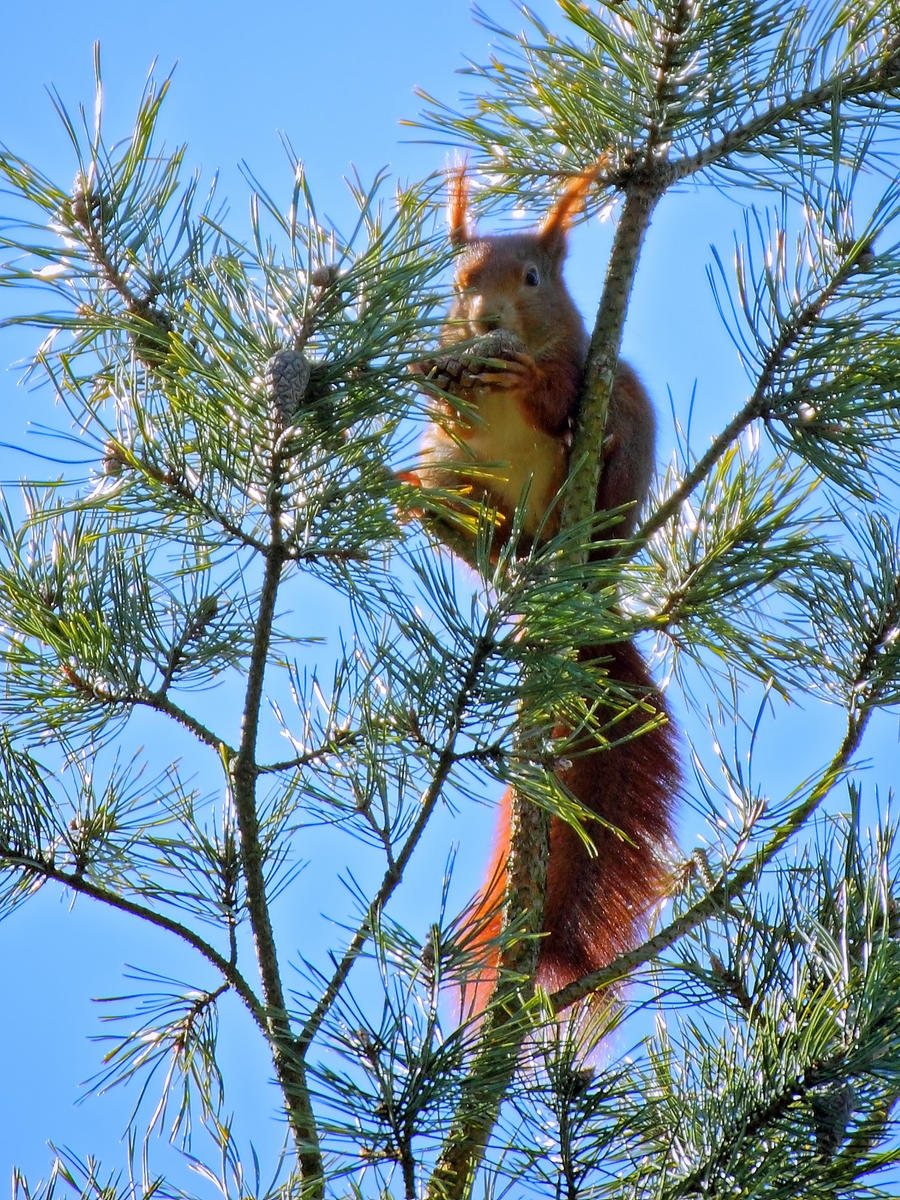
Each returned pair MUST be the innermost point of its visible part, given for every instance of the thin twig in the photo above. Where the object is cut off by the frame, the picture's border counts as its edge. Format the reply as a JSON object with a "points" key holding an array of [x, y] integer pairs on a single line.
{"points": [[176, 483], [164, 705], [747, 1124], [85, 887], [145, 699], [446, 761], [343, 737]]}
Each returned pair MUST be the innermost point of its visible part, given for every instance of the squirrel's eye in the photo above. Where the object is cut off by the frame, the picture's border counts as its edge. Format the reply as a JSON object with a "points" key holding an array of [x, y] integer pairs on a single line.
{"points": [[532, 277]]}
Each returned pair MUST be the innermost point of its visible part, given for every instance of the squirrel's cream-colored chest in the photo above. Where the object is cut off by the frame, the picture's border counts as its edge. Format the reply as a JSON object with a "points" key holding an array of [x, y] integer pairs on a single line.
{"points": [[514, 459]]}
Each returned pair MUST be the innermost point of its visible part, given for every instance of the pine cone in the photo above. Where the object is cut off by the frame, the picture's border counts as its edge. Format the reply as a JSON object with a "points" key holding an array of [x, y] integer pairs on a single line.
{"points": [[453, 371], [151, 332], [287, 378], [499, 343], [832, 1108], [324, 276]]}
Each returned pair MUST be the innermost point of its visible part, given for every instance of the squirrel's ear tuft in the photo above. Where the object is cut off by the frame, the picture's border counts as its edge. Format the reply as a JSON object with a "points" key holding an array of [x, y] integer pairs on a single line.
{"points": [[559, 219], [458, 207]]}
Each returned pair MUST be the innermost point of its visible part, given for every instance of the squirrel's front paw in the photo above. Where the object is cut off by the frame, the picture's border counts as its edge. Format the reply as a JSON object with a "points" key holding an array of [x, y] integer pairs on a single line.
{"points": [[499, 361], [515, 373]]}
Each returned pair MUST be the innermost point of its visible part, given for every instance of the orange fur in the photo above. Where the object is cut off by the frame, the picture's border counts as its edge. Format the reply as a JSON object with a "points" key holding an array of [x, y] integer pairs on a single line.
{"points": [[458, 207], [598, 901]]}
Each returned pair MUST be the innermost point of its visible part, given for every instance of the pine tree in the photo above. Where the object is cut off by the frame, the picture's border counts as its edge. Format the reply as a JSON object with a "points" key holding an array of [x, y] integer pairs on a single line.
{"points": [[241, 406]]}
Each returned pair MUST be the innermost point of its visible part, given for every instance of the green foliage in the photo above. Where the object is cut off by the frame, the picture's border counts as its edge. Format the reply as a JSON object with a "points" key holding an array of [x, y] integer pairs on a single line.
{"points": [[239, 406]]}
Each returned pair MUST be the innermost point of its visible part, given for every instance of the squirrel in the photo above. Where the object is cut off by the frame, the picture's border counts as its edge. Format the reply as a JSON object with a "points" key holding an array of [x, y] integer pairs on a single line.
{"points": [[506, 407]]}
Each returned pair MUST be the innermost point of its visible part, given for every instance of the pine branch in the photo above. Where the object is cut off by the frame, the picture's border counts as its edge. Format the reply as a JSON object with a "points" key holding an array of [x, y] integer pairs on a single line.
{"points": [[644, 186], [883, 75], [504, 1027], [285, 1050], [506, 1022], [790, 336], [603, 354], [509, 1015], [152, 325]]}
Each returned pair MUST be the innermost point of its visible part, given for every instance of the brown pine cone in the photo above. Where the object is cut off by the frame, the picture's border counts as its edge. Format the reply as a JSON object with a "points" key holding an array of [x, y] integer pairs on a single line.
{"points": [[287, 378], [455, 370]]}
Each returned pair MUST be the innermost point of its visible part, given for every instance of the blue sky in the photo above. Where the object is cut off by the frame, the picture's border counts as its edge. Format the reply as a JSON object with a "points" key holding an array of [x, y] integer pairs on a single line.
{"points": [[337, 79]]}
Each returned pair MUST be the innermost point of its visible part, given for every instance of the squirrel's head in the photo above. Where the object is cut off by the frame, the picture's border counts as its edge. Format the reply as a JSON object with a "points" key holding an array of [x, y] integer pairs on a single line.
{"points": [[513, 281]]}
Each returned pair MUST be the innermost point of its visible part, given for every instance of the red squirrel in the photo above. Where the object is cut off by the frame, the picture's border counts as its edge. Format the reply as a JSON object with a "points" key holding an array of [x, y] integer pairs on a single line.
{"points": [[503, 430]]}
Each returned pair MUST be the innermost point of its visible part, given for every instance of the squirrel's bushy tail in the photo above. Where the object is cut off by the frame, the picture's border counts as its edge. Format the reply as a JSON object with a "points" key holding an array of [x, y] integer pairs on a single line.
{"points": [[599, 900]]}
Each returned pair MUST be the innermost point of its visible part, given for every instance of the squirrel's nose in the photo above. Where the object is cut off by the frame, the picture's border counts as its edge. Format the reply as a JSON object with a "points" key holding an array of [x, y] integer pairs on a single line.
{"points": [[483, 313], [487, 323]]}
